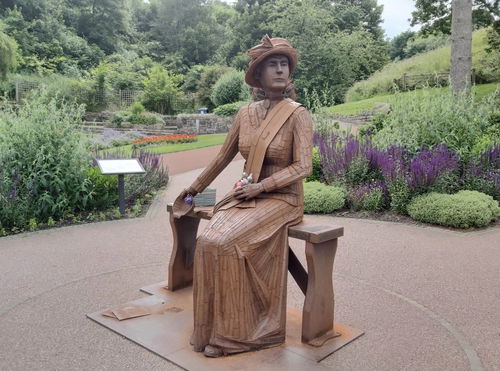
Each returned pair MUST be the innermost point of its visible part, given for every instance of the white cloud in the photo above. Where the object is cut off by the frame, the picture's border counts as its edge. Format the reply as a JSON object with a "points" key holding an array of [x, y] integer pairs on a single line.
{"points": [[395, 15]]}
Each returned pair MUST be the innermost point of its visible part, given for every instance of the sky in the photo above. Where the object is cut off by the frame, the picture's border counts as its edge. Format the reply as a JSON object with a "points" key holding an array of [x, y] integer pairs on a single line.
{"points": [[395, 15]]}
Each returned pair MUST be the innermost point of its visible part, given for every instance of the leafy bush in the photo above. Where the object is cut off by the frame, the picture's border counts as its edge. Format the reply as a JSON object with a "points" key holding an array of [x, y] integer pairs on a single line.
{"points": [[369, 196], [483, 173], [137, 109], [204, 87], [320, 198], [229, 109], [399, 194], [317, 172], [137, 117], [230, 88], [104, 190], [146, 118], [430, 118], [161, 90], [42, 160], [464, 209]]}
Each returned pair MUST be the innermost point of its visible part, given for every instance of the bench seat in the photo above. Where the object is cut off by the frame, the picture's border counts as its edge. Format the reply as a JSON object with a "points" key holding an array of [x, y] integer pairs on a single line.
{"points": [[316, 283]]}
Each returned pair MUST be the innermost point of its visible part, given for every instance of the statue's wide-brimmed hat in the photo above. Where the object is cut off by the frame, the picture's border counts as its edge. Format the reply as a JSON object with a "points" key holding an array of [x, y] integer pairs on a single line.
{"points": [[268, 47]]}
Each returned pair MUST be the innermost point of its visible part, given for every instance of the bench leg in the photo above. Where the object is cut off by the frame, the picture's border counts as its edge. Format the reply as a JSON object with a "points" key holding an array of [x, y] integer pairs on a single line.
{"points": [[317, 316], [180, 267]]}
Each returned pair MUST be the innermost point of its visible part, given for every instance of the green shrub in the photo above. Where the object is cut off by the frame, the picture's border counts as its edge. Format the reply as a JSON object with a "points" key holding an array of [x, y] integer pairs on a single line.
{"points": [[229, 109], [376, 124], [320, 198], [464, 209], [104, 189], [137, 109], [399, 195], [42, 161], [368, 196], [161, 90], [146, 118], [324, 124], [317, 171], [120, 117], [230, 88], [430, 117]]}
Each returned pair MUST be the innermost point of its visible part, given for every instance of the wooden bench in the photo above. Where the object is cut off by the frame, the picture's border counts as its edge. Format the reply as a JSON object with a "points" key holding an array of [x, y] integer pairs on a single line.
{"points": [[315, 283]]}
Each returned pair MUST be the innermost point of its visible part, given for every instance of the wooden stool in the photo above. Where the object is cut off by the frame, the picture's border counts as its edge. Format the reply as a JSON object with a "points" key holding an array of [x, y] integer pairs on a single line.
{"points": [[316, 283]]}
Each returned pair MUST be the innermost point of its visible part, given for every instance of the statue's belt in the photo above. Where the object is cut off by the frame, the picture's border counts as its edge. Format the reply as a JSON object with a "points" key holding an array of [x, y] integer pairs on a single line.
{"points": [[266, 133]]}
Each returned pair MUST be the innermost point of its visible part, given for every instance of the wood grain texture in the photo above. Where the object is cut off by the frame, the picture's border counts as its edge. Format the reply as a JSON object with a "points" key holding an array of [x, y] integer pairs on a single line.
{"points": [[241, 259]]}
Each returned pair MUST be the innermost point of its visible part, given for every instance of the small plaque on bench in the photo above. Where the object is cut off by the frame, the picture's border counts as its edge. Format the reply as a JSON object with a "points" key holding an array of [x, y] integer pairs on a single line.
{"points": [[205, 198]]}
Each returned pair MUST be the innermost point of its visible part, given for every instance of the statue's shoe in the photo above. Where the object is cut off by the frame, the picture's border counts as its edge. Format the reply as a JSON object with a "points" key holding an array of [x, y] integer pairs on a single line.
{"points": [[213, 352]]}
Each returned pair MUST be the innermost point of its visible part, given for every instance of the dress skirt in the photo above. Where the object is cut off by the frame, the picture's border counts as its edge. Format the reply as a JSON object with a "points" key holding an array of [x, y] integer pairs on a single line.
{"points": [[240, 271]]}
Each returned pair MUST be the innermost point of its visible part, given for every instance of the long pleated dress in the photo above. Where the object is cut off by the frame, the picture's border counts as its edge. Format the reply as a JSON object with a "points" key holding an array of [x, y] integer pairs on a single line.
{"points": [[240, 264]]}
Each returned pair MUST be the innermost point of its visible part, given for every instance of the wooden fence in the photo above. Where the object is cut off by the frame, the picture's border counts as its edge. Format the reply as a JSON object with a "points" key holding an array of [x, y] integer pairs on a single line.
{"points": [[409, 81]]}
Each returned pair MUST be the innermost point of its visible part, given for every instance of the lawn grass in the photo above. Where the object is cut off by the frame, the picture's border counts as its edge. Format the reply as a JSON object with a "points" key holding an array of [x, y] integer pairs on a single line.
{"points": [[366, 105], [203, 141]]}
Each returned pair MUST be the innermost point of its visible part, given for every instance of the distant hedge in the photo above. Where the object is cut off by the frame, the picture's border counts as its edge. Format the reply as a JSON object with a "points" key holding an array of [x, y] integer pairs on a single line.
{"points": [[464, 209]]}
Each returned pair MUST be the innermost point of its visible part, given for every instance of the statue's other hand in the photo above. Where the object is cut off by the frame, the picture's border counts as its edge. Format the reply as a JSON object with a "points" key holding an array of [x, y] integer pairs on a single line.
{"points": [[180, 206], [249, 191]]}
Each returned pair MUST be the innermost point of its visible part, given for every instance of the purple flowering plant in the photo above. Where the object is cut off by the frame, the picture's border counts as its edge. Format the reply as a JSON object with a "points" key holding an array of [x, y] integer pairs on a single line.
{"points": [[397, 174]]}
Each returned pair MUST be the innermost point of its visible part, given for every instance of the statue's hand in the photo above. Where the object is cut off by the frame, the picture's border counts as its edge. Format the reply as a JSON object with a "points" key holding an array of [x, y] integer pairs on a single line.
{"points": [[249, 191], [181, 205]]}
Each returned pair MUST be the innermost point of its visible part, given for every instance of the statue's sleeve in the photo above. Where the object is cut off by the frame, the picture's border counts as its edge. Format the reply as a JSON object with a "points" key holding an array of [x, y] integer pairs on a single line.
{"points": [[224, 157], [301, 165]]}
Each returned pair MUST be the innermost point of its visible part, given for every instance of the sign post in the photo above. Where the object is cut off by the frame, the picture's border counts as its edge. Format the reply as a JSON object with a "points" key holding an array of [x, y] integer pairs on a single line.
{"points": [[120, 168]]}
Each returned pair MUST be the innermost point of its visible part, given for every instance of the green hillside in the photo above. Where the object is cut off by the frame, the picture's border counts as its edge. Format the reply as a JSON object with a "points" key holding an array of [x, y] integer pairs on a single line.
{"points": [[485, 64], [366, 105]]}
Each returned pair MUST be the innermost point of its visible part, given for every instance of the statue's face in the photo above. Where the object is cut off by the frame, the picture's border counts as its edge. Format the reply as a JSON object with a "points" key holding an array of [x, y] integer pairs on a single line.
{"points": [[273, 72]]}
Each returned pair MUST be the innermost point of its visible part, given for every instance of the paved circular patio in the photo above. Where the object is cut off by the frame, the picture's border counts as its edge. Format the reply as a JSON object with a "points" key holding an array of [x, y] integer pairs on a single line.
{"points": [[426, 297]]}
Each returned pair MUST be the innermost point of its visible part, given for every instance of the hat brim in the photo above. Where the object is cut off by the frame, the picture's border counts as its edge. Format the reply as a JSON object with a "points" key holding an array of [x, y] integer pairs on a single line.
{"points": [[289, 52]]}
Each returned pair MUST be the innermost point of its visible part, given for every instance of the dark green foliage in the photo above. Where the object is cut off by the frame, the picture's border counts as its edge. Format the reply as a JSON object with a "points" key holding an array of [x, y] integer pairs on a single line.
{"points": [[8, 53], [161, 91], [317, 172], [229, 109], [369, 196], [424, 43], [358, 172], [427, 118], [43, 162], [398, 45], [464, 209], [320, 198], [399, 195], [374, 126], [230, 88], [104, 190], [435, 15], [208, 78]]}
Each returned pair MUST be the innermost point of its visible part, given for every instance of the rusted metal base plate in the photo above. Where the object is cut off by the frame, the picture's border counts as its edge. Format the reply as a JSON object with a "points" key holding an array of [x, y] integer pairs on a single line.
{"points": [[167, 329]]}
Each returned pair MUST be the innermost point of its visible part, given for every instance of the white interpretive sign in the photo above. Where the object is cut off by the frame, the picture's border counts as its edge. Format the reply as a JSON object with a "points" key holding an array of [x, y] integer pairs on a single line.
{"points": [[128, 166]]}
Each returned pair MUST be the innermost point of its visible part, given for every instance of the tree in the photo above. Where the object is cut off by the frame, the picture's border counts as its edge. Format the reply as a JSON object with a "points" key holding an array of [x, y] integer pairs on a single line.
{"points": [[104, 22], [8, 53], [398, 45], [461, 45], [435, 15], [185, 29], [330, 60], [161, 90]]}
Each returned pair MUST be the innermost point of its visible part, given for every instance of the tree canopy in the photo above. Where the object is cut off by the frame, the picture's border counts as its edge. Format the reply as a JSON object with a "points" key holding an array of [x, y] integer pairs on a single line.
{"points": [[435, 15]]}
